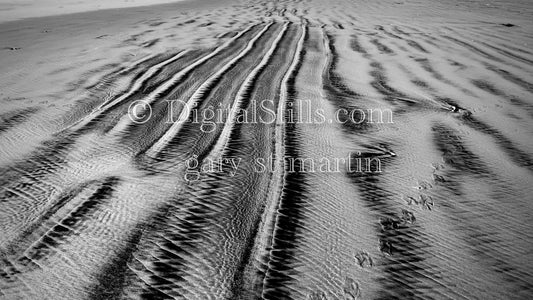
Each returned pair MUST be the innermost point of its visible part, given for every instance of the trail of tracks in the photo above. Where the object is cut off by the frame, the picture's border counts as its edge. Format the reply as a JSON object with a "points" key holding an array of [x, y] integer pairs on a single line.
{"points": [[199, 93]]}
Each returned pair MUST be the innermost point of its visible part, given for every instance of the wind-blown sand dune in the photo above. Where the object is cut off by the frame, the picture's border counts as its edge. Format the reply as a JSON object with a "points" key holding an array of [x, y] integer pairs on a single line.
{"points": [[98, 204]]}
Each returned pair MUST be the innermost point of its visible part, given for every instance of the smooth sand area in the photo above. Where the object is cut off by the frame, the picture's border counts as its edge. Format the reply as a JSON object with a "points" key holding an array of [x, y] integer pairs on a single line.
{"points": [[11, 10]]}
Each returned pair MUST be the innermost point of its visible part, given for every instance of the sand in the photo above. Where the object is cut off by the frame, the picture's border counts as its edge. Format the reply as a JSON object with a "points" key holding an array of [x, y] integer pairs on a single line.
{"points": [[11, 10], [278, 184]]}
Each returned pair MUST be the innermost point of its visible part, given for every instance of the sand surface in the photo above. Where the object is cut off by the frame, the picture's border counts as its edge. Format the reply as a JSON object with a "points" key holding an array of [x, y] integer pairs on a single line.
{"points": [[11, 10], [262, 191]]}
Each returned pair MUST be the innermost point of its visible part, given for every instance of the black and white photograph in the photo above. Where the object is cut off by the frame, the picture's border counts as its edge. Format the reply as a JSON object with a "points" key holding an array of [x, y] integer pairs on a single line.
{"points": [[266, 149]]}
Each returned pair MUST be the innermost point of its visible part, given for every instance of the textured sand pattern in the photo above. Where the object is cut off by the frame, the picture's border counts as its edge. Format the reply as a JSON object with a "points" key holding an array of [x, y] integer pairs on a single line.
{"points": [[95, 204]]}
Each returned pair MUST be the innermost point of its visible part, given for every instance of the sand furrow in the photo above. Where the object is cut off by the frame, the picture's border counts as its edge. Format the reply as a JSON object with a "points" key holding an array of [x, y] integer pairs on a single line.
{"points": [[195, 98], [242, 95]]}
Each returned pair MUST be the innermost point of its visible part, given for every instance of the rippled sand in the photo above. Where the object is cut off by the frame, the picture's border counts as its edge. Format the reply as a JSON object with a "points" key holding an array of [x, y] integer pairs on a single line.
{"points": [[97, 204]]}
